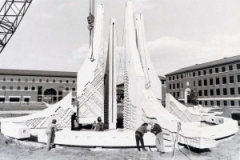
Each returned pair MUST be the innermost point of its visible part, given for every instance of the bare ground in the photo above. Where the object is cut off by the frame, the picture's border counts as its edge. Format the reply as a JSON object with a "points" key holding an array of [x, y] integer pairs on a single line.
{"points": [[21, 150]]}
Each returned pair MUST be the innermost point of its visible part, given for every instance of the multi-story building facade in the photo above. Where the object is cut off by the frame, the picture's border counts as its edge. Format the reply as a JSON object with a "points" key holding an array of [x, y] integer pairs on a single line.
{"points": [[32, 88], [217, 83]]}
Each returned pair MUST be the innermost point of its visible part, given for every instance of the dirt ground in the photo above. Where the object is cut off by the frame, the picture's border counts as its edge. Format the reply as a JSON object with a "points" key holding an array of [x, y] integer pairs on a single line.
{"points": [[21, 150]]}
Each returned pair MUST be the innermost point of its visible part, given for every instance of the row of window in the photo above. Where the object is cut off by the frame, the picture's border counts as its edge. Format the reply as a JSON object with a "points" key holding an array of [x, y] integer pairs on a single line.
{"points": [[217, 92], [40, 80], [220, 103], [30, 88], [214, 92], [205, 72], [210, 81]]}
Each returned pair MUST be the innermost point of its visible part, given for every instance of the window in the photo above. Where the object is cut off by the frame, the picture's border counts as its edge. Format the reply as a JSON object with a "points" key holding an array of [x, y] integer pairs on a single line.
{"points": [[238, 90], [54, 81], [14, 99], [181, 76], [199, 83], [205, 82], [47, 80], [231, 79], [200, 102], [218, 103], [205, 93], [211, 103], [2, 99], [210, 71], [25, 88], [217, 81], [11, 79], [225, 103], [181, 85], [232, 103], [224, 91], [177, 94], [206, 103], [199, 73], [73, 81], [218, 92], [33, 88], [26, 99], [3, 87], [230, 68], [173, 86], [26, 80], [60, 92], [11, 87], [4, 79], [33, 80], [194, 74], [177, 76], [40, 80], [170, 86], [223, 69], [73, 89], [39, 99], [238, 77], [204, 72], [224, 80], [238, 66], [216, 70], [232, 91], [19, 80], [67, 80], [67, 89], [61, 80], [199, 93], [177, 85], [18, 88], [211, 81], [211, 92]]}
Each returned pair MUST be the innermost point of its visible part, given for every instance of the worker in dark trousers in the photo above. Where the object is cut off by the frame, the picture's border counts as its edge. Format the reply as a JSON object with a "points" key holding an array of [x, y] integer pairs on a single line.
{"points": [[139, 135], [74, 123]]}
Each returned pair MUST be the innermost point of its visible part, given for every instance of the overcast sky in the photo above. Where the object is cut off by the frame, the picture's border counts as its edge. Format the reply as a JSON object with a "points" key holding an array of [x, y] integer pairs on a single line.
{"points": [[53, 34]]}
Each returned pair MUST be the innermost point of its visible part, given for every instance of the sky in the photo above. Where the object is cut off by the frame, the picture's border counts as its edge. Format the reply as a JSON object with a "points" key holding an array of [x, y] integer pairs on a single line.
{"points": [[53, 35]]}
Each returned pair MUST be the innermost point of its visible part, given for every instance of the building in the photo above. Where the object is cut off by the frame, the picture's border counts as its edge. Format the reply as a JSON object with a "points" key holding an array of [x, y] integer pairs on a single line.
{"points": [[30, 88], [217, 83]]}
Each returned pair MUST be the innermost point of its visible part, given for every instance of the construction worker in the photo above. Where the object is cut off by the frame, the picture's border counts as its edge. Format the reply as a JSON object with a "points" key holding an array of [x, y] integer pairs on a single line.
{"points": [[157, 130], [50, 131], [139, 135], [99, 125]]}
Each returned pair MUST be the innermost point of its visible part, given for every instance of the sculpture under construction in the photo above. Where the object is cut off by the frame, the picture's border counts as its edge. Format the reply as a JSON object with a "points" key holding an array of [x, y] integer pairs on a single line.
{"points": [[142, 99]]}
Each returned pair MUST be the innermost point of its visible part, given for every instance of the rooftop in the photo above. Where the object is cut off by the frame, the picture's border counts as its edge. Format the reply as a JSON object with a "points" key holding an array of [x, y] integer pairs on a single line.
{"points": [[38, 73], [225, 60]]}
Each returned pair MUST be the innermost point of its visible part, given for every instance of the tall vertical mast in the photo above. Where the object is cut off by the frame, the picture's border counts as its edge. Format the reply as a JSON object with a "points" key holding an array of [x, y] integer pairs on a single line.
{"points": [[90, 19], [112, 103]]}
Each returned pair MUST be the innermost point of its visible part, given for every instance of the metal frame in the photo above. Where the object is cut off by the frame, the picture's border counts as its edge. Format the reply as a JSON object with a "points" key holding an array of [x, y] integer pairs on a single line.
{"points": [[11, 14]]}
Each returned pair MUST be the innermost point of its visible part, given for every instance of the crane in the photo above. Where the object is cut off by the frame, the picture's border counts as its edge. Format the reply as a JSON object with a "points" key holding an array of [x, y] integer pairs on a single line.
{"points": [[11, 14]]}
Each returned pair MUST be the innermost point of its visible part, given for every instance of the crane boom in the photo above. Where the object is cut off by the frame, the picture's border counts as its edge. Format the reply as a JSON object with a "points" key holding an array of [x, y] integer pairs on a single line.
{"points": [[11, 14]]}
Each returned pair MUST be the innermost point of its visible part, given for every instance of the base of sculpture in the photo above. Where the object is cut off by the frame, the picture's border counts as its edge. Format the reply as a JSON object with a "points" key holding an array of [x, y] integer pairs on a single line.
{"points": [[106, 139]]}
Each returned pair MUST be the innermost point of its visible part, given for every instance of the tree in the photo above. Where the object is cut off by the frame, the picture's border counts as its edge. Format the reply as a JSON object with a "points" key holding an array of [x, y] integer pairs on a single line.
{"points": [[193, 96]]}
